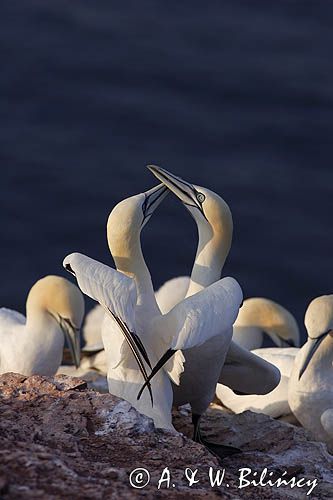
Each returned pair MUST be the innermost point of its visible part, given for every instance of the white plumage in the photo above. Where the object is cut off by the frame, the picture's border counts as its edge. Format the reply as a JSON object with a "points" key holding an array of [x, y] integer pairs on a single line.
{"points": [[311, 382], [187, 325], [211, 362], [34, 345], [275, 403]]}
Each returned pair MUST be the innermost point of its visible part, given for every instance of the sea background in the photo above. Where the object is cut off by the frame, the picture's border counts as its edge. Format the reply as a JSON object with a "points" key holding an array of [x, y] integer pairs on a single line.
{"points": [[233, 95]]}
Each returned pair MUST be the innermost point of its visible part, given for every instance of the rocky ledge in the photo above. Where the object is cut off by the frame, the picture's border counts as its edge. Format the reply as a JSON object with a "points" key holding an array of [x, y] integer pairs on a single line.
{"points": [[62, 440]]}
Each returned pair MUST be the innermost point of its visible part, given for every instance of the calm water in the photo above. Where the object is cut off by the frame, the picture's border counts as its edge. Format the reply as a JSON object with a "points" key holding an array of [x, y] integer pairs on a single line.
{"points": [[235, 96]]}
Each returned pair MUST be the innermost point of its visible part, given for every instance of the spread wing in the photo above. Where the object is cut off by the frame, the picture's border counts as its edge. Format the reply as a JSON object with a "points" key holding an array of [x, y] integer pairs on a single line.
{"points": [[202, 316], [117, 295], [198, 318]]}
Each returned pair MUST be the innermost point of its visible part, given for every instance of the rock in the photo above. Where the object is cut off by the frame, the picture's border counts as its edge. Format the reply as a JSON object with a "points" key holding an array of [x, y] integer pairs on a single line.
{"points": [[94, 378], [60, 439]]}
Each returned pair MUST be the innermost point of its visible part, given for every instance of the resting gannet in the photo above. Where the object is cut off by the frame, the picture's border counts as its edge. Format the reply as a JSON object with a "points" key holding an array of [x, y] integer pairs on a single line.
{"points": [[275, 403], [311, 382], [34, 345], [260, 315]]}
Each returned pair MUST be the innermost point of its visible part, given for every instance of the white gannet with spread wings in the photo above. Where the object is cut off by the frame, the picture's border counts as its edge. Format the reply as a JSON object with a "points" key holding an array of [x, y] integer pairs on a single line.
{"points": [[135, 334]]}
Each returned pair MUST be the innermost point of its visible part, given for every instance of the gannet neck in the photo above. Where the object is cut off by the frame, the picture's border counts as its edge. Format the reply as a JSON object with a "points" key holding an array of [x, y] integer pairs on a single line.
{"points": [[317, 351], [123, 234], [209, 261], [213, 248], [54, 296], [54, 311], [214, 221], [132, 264]]}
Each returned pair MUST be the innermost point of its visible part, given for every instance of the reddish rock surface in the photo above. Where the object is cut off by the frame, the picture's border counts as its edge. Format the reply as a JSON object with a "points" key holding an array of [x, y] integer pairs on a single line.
{"points": [[61, 440]]}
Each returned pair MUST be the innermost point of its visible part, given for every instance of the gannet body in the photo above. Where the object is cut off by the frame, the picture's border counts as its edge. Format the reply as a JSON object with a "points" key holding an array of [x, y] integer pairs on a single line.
{"points": [[260, 315], [128, 297], [256, 317], [92, 330], [275, 403], [311, 382], [167, 296], [34, 345], [207, 364], [171, 293]]}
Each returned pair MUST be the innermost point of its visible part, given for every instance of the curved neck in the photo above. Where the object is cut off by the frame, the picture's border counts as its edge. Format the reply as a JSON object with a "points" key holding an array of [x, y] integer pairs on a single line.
{"points": [[211, 255], [132, 263], [38, 318]]}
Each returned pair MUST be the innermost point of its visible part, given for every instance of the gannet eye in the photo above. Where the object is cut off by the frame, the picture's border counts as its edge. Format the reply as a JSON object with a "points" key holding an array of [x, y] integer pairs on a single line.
{"points": [[201, 197]]}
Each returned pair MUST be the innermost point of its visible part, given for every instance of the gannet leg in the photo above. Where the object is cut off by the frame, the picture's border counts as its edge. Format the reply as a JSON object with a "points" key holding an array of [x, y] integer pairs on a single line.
{"points": [[218, 450]]}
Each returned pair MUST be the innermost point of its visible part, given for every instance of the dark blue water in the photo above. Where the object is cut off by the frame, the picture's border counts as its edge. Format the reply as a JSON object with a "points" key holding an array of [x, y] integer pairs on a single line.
{"points": [[232, 95]]}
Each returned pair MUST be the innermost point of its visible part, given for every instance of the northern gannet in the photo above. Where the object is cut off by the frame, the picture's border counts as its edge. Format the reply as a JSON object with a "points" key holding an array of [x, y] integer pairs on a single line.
{"points": [[260, 315], [275, 403], [33, 345], [209, 363], [311, 382], [128, 296]]}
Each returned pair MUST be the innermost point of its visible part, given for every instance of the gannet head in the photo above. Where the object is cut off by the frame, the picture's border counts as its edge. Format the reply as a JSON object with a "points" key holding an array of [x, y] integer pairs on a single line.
{"points": [[208, 209], [271, 318], [129, 217], [64, 302], [318, 321]]}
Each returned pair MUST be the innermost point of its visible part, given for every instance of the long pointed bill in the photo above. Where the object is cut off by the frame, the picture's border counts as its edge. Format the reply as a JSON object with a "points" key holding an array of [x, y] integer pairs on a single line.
{"points": [[153, 198], [185, 191], [136, 347], [310, 348], [72, 336], [166, 356]]}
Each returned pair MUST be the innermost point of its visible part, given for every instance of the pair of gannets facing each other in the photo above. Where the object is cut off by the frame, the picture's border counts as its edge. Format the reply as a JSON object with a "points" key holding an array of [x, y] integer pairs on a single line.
{"points": [[135, 334], [311, 382], [33, 345]]}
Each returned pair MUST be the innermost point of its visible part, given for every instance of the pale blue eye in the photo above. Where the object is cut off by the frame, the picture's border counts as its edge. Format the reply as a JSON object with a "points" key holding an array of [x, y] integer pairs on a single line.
{"points": [[201, 197]]}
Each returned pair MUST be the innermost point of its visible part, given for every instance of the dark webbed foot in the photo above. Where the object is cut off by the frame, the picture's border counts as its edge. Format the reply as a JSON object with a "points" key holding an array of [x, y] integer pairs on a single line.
{"points": [[218, 450]]}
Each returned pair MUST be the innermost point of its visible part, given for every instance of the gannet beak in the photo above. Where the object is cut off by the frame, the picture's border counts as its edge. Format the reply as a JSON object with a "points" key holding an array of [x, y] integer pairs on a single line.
{"points": [[166, 356], [310, 349], [185, 191], [72, 335], [153, 198]]}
